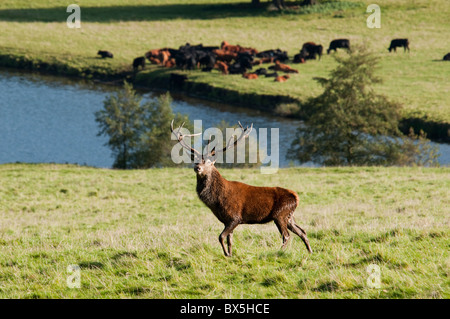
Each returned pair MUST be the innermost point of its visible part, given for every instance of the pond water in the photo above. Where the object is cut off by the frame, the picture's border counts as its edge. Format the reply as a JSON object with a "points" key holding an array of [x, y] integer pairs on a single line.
{"points": [[46, 119]]}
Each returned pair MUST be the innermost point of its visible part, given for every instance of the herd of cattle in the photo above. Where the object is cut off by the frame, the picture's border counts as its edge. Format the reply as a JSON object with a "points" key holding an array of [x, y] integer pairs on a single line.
{"points": [[235, 59]]}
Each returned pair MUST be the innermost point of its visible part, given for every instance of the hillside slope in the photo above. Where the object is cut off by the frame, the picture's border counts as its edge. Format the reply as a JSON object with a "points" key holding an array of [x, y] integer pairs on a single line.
{"points": [[36, 36]]}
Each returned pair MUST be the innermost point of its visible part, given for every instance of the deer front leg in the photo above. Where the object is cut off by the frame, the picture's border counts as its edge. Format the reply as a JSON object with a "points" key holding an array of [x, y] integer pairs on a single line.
{"points": [[228, 233]]}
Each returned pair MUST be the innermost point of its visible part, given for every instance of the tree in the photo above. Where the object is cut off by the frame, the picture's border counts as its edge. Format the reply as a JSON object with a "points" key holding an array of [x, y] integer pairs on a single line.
{"points": [[349, 124], [280, 4], [139, 134], [309, 2]]}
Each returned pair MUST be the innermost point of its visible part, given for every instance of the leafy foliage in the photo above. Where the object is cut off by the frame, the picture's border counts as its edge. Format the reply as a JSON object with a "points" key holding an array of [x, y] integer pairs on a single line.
{"points": [[138, 133], [417, 151], [349, 124]]}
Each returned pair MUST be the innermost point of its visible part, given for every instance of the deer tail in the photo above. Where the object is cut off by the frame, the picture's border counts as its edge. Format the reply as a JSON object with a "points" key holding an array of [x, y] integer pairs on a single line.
{"points": [[297, 199]]}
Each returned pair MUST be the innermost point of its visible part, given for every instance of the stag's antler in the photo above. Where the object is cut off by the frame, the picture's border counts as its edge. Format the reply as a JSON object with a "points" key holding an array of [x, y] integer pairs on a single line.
{"points": [[245, 133], [180, 138], [210, 154]]}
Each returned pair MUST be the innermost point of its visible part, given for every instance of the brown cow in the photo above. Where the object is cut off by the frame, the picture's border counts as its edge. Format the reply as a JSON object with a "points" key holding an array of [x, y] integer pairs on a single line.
{"points": [[170, 63], [154, 60], [222, 66], [226, 56], [282, 78], [237, 48], [228, 47], [250, 76], [158, 56], [284, 68]]}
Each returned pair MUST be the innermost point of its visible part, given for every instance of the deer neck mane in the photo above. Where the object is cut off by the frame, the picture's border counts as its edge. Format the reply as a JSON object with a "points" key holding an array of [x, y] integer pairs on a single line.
{"points": [[210, 187]]}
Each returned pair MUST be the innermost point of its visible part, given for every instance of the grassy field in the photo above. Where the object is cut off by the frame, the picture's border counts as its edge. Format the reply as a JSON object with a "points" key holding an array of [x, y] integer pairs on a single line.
{"points": [[145, 234], [37, 31]]}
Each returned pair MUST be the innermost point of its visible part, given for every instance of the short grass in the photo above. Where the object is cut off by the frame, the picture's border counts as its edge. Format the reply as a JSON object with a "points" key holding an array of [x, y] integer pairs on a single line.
{"points": [[145, 234], [419, 81]]}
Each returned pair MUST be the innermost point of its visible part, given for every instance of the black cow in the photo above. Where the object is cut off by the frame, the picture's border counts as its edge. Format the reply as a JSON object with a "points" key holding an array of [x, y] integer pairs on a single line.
{"points": [[206, 59], [261, 71], [446, 57], [188, 57], [299, 58], [311, 50], [271, 75], [191, 56], [277, 54], [139, 62], [105, 54], [339, 43], [399, 43], [237, 68], [281, 56], [210, 48], [245, 60], [199, 47]]}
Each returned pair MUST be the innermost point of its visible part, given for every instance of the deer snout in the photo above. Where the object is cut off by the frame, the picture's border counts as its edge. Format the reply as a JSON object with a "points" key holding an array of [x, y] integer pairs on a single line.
{"points": [[198, 169]]}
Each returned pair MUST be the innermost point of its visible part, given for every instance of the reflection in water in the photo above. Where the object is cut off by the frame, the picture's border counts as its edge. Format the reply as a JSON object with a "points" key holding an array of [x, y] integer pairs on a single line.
{"points": [[49, 119]]}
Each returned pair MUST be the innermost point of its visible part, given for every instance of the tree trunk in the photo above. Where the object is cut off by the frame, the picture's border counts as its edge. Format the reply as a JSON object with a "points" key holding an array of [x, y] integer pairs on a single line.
{"points": [[309, 2], [279, 4]]}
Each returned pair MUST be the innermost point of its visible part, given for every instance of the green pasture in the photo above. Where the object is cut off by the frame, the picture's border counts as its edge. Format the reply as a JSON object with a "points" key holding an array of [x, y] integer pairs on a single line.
{"points": [[36, 31], [145, 234]]}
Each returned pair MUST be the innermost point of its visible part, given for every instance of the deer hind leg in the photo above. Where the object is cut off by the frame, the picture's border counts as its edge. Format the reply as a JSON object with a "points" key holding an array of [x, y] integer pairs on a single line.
{"points": [[230, 242], [296, 229], [283, 229], [227, 233]]}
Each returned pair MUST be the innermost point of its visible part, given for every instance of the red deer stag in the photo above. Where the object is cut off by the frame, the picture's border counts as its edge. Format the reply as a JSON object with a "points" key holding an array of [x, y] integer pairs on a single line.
{"points": [[235, 203]]}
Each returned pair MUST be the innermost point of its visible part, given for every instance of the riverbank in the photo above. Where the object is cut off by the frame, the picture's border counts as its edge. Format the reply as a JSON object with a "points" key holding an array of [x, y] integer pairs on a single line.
{"points": [[61, 127], [36, 39], [159, 79]]}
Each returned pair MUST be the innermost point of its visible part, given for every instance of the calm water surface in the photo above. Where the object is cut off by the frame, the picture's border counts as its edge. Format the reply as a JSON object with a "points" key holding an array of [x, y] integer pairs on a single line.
{"points": [[45, 119]]}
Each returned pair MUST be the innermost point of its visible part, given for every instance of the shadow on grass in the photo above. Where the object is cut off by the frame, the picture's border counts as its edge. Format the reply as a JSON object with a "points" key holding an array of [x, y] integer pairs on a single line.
{"points": [[173, 11], [136, 13], [328, 286], [91, 265], [124, 254], [135, 291]]}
